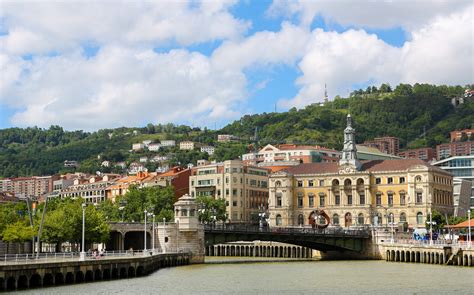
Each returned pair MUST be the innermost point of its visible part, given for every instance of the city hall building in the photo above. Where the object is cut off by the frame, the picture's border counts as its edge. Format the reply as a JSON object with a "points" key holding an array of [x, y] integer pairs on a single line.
{"points": [[351, 192]]}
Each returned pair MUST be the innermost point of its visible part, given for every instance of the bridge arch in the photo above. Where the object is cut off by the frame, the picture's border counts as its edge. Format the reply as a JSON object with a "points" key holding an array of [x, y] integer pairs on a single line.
{"points": [[22, 282], [35, 281], [48, 280], [135, 240], [58, 279]]}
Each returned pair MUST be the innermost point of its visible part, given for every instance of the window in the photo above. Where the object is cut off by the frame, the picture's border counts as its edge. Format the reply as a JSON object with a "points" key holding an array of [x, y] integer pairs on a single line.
{"points": [[391, 218], [378, 199], [278, 200], [310, 183], [234, 192], [192, 182], [403, 217], [402, 179], [300, 200], [360, 219], [300, 219], [378, 180], [227, 180], [337, 199], [321, 201], [419, 218], [219, 192], [419, 197], [300, 183], [311, 200], [335, 219], [278, 219], [390, 180], [349, 200], [321, 183], [402, 199], [362, 198], [234, 203], [184, 212], [390, 199], [226, 191]]}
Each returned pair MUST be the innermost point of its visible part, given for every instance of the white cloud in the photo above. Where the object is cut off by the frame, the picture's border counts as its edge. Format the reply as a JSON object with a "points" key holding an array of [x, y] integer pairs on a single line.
{"points": [[136, 86], [40, 27], [263, 48], [127, 83], [441, 52], [379, 14]]}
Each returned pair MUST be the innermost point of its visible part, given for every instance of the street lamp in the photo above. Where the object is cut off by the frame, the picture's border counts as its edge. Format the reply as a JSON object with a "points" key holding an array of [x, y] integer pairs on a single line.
{"points": [[214, 217], [469, 236], [261, 216], [82, 255], [144, 247], [153, 234]]}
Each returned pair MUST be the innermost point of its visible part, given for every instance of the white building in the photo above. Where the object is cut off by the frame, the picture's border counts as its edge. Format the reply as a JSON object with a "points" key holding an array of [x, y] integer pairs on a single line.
{"points": [[147, 142], [154, 147], [291, 152], [226, 137], [105, 164], [208, 149], [186, 145], [135, 167], [168, 143], [138, 146], [462, 168], [143, 159]]}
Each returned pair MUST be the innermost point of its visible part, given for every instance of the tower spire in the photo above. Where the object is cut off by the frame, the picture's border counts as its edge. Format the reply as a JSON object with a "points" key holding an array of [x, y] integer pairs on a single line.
{"points": [[349, 152]]}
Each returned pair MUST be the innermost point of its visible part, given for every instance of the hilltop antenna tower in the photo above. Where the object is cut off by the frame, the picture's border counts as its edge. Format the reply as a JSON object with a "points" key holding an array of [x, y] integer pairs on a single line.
{"points": [[326, 99]]}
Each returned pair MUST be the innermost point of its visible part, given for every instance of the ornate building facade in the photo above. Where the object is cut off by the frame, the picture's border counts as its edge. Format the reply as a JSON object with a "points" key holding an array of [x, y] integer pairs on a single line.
{"points": [[376, 192]]}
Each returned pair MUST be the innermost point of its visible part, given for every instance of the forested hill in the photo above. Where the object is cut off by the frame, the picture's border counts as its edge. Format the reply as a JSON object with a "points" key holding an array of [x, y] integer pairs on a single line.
{"points": [[404, 112]]}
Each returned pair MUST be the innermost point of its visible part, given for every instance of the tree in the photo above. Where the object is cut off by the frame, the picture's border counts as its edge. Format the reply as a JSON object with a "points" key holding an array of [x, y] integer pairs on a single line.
{"points": [[64, 224], [209, 207], [18, 232], [156, 199]]}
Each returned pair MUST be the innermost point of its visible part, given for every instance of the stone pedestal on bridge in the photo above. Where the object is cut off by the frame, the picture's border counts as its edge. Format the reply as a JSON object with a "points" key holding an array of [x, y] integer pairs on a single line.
{"points": [[186, 234]]}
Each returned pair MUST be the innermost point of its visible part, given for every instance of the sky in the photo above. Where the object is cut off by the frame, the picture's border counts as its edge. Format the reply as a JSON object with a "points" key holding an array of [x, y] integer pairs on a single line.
{"points": [[103, 64]]}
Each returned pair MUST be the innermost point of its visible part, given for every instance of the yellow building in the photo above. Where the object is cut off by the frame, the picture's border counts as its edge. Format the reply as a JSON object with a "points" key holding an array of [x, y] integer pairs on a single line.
{"points": [[376, 192]]}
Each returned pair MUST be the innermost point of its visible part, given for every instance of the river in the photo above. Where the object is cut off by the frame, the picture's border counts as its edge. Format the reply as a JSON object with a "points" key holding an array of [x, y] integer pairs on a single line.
{"points": [[295, 277]]}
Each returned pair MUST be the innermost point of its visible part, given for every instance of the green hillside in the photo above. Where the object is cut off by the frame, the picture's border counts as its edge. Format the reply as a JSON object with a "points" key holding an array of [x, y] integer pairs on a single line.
{"points": [[404, 112]]}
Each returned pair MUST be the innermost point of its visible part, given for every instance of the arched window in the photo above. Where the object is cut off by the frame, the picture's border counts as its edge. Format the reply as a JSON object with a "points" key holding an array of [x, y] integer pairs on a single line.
{"points": [[419, 218], [335, 219], [377, 219], [277, 183], [391, 218], [278, 219], [347, 219], [300, 219], [360, 219], [403, 217]]}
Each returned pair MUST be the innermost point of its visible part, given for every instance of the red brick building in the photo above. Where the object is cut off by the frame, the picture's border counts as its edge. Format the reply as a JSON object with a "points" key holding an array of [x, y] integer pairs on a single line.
{"points": [[425, 154], [387, 144], [462, 135], [452, 149]]}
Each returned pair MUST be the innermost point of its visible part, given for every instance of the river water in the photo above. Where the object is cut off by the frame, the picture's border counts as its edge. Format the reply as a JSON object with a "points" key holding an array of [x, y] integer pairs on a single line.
{"points": [[295, 277]]}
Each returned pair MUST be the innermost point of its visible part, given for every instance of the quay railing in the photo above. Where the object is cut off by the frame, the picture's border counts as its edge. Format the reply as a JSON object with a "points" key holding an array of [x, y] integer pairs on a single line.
{"points": [[430, 244], [330, 231], [9, 259]]}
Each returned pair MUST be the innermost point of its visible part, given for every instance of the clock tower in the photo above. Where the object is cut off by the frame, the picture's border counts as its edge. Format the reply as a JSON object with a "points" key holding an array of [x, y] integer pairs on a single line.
{"points": [[349, 162]]}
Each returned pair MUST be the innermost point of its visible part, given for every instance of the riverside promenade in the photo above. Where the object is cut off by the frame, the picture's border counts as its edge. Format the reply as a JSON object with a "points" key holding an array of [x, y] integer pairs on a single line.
{"points": [[23, 272], [434, 252]]}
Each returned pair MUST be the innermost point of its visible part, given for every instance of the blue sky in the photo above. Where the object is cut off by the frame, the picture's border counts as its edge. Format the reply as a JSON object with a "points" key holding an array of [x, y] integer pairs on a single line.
{"points": [[87, 66]]}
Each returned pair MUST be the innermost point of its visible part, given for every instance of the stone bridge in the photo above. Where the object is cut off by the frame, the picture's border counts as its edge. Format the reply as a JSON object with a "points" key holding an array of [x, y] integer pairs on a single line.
{"points": [[126, 235], [355, 241], [42, 274]]}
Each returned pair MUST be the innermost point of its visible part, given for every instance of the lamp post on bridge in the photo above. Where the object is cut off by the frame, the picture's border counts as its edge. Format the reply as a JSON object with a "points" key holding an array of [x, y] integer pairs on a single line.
{"points": [[144, 247], [153, 233], [82, 255], [469, 235]]}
